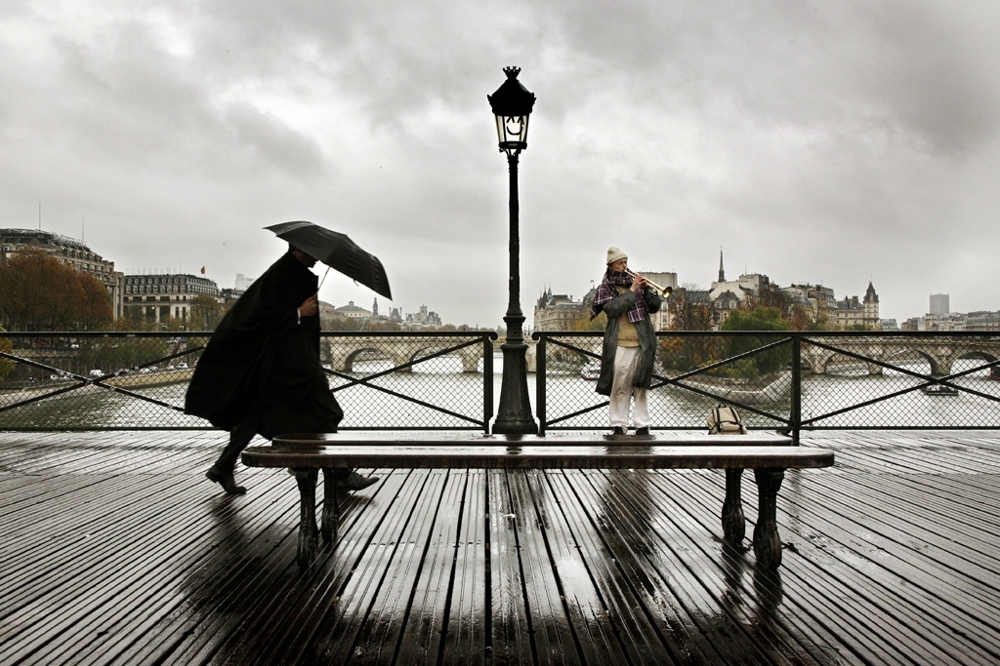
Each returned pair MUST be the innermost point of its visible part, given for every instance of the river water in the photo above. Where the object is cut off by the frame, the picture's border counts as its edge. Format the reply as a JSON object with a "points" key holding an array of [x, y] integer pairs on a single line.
{"points": [[442, 384]]}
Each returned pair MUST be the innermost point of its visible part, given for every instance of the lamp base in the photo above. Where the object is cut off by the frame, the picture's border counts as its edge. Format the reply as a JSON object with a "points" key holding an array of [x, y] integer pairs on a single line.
{"points": [[514, 413]]}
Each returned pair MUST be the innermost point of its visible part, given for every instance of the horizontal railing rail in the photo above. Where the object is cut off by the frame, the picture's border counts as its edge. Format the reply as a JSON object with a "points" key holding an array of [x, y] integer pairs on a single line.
{"points": [[421, 380], [791, 381], [787, 380]]}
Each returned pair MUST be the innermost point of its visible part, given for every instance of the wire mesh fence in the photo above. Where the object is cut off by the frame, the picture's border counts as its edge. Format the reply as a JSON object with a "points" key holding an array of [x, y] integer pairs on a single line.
{"points": [[445, 380], [787, 380], [124, 381]]}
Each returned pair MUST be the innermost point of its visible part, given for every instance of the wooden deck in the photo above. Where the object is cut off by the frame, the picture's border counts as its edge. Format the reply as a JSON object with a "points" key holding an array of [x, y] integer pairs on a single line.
{"points": [[116, 550]]}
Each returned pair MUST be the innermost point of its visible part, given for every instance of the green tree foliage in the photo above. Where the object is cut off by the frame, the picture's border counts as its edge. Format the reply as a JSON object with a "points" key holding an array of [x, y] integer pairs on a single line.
{"points": [[760, 363], [598, 323], [685, 353], [40, 293], [206, 313]]}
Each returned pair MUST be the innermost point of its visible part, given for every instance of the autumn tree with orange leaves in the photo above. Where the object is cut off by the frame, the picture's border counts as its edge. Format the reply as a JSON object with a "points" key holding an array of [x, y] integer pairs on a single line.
{"points": [[40, 293]]}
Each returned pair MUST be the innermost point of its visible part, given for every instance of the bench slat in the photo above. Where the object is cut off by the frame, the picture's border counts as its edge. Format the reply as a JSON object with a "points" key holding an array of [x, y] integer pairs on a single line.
{"points": [[537, 456], [575, 438]]}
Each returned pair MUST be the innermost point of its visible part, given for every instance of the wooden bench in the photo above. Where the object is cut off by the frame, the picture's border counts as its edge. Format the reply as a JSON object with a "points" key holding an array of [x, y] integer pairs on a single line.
{"points": [[768, 455]]}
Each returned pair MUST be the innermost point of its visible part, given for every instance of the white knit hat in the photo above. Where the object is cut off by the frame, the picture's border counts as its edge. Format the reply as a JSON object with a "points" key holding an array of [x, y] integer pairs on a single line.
{"points": [[614, 254]]}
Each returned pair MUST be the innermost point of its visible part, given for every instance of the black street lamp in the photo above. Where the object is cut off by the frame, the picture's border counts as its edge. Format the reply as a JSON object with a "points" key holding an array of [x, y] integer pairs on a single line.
{"points": [[511, 105]]}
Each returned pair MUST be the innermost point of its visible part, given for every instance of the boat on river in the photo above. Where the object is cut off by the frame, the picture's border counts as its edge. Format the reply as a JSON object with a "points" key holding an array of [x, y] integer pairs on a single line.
{"points": [[940, 389]]}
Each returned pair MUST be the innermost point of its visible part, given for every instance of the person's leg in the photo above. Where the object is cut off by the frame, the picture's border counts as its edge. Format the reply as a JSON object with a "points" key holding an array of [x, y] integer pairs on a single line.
{"points": [[239, 439], [640, 413], [621, 386], [222, 471]]}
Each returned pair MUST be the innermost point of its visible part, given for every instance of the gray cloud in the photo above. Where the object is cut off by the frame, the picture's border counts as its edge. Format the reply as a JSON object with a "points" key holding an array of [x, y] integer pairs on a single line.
{"points": [[831, 142]]}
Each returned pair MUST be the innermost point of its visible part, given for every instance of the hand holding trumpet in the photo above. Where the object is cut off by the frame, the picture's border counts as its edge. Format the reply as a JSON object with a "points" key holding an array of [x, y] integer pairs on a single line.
{"points": [[639, 282]]}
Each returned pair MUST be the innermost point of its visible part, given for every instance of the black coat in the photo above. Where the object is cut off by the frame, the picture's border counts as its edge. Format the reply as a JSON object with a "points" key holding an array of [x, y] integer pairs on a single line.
{"points": [[261, 363]]}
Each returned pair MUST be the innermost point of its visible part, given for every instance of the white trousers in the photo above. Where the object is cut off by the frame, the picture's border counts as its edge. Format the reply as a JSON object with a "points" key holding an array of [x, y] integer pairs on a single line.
{"points": [[626, 359]]}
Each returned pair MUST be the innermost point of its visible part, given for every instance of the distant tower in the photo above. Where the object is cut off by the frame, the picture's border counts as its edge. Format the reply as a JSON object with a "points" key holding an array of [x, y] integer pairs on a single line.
{"points": [[722, 271], [871, 319], [940, 305], [375, 308]]}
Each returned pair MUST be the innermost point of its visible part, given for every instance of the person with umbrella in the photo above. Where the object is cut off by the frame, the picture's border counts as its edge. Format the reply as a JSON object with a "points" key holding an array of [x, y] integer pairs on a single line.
{"points": [[260, 372]]}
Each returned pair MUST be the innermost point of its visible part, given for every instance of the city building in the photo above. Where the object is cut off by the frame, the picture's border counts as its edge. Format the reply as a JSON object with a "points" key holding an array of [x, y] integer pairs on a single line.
{"points": [[982, 321], [156, 296], [70, 251], [954, 321], [854, 313], [816, 300], [422, 318], [559, 312], [352, 311], [242, 282], [939, 304]]}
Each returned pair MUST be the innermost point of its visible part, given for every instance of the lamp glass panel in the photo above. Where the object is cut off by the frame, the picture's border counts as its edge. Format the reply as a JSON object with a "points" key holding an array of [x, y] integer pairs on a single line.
{"points": [[513, 126]]}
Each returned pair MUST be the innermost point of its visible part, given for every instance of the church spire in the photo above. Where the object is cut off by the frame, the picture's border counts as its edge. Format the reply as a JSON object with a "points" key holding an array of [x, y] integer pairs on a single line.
{"points": [[722, 271]]}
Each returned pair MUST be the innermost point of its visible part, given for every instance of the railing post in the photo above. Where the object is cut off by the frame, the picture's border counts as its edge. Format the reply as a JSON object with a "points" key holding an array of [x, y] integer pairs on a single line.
{"points": [[540, 381], [487, 382], [795, 415]]}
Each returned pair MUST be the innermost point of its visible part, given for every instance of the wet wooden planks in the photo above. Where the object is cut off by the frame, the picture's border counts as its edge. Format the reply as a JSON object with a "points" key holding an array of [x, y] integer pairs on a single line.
{"points": [[115, 550]]}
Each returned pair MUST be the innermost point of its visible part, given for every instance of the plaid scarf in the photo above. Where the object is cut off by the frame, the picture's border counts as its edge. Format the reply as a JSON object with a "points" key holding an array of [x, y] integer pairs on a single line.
{"points": [[606, 291]]}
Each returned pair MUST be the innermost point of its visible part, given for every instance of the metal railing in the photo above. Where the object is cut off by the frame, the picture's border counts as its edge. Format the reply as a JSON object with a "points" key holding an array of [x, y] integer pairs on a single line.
{"points": [[138, 380], [787, 381]]}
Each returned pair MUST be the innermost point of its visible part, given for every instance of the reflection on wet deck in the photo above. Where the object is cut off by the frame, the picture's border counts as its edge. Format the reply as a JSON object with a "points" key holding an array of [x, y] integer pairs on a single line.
{"points": [[115, 550]]}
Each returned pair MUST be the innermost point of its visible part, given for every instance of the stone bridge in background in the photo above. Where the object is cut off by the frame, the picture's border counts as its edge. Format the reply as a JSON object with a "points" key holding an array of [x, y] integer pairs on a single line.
{"points": [[940, 354], [341, 353]]}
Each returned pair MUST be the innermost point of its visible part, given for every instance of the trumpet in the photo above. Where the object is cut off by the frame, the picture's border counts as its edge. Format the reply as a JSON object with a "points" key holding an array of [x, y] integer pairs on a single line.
{"points": [[664, 291]]}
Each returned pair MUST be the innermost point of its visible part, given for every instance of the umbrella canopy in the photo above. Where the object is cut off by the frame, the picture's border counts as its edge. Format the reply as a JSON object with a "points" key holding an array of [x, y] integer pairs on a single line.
{"points": [[337, 251]]}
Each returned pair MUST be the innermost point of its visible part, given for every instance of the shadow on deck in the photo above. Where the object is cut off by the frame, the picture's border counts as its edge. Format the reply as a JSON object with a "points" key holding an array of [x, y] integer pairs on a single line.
{"points": [[116, 550]]}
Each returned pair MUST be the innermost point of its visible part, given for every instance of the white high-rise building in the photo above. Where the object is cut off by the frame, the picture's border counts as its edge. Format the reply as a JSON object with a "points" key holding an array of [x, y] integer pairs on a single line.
{"points": [[939, 304]]}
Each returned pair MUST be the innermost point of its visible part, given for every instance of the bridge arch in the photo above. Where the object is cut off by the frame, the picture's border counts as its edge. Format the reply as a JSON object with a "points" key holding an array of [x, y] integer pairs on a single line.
{"points": [[469, 356], [937, 368], [348, 359], [980, 355]]}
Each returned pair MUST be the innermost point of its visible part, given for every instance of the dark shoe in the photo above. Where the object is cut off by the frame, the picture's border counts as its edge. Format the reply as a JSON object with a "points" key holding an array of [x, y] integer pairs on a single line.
{"points": [[642, 431], [224, 479], [356, 482], [618, 430]]}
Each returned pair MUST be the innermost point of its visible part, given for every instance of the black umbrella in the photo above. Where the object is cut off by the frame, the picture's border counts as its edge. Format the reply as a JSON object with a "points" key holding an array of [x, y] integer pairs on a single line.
{"points": [[337, 251]]}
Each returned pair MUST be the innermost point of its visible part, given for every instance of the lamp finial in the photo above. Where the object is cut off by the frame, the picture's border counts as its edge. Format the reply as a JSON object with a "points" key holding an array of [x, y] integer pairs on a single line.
{"points": [[511, 72]]}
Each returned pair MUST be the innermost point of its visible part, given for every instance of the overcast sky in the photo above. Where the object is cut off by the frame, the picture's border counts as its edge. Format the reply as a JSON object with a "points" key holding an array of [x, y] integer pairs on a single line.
{"points": [[818, 142]]}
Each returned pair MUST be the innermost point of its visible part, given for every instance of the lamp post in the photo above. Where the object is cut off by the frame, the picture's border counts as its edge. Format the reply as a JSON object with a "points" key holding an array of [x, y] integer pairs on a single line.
{"points": [[511, 105]]}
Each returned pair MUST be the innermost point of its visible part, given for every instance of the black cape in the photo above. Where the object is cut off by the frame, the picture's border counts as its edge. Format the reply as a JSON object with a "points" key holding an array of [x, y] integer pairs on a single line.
{"points": [[261, 363]]}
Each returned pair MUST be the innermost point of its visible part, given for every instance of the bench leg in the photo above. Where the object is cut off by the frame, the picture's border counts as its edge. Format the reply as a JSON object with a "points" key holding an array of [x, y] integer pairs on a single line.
{"points": [[766, 542], [308, 537], [331, 506], [733, 522]]}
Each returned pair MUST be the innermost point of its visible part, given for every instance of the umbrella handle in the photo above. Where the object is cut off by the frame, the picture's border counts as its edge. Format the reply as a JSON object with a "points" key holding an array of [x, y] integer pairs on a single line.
{"points": [[323, 280]]}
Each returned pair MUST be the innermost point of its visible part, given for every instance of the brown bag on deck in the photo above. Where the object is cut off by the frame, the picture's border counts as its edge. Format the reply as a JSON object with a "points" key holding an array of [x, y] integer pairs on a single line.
{"points": [[725, 420]]}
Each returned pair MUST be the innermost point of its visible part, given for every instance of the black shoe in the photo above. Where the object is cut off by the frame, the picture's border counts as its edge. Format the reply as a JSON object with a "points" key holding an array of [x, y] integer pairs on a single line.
{"points": [[642, 431], [224, 479], [618, 430], [356, 482]]}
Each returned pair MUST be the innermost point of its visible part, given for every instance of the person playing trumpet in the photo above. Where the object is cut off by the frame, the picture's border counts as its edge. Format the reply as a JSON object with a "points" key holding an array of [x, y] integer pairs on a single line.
{"points": [[629, 350]]}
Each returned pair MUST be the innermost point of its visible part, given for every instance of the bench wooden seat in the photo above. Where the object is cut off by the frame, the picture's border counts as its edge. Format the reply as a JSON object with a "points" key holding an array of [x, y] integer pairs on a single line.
{"points": [[768, 455]]}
